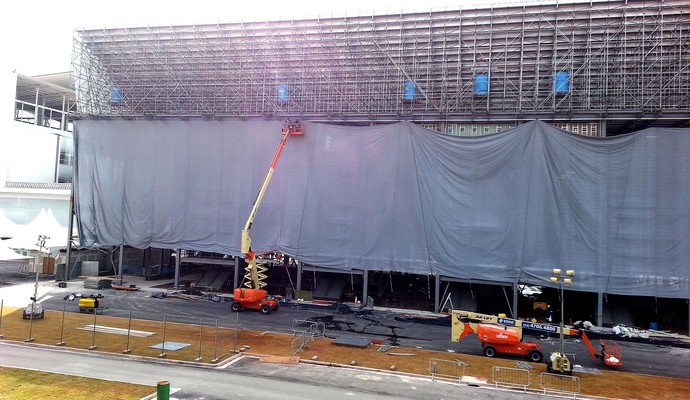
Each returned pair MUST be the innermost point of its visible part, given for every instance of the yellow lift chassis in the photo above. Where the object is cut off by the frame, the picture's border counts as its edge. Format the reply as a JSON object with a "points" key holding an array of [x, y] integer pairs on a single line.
{"points": [[255, 275]]}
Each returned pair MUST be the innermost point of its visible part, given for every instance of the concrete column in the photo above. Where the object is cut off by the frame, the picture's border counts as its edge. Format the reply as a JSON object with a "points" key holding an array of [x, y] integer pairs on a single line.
{"points": [[516, 290], [120, 262], [36, 114], [365, 287], [437, 293], [177, 268], [600, 309], [236, 276], [63, 119], [299, 275]]}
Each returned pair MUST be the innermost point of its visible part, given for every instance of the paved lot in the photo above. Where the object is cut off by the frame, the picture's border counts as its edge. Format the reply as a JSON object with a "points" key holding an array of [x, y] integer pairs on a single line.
{"points": [[247, 379], [404, 328]]}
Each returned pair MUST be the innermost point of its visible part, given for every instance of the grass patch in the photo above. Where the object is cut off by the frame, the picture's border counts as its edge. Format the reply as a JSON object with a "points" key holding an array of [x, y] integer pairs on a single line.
{"points": [[19, 384]]}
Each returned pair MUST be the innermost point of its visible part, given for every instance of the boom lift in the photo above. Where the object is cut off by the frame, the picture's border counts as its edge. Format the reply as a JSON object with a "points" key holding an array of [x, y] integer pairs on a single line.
{"points": [[496, 337], [465, 322], [254, 296]]}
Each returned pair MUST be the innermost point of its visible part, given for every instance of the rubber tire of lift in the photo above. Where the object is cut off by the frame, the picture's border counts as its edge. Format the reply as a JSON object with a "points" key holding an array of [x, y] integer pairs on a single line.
{"points": [[489, 351], [535, 356], [265, 309], [236, 306]]}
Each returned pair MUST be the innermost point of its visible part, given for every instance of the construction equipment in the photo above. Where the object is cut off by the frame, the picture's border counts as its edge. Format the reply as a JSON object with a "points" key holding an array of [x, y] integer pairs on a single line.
{"points": [[87, 303], [465, 322], [254, 296], [33, 310], [496, 338]]}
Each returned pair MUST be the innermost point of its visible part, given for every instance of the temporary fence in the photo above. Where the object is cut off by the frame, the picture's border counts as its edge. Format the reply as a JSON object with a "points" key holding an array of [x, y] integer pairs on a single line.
{"points": [[310, 328], [171, 335], [452, 369], [562, 384], [511, 377], [300, 343], [306, 331]]}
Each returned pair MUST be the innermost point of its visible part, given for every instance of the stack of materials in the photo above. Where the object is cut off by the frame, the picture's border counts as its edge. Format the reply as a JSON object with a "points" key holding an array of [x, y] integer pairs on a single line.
{"points": [[98, 284]]}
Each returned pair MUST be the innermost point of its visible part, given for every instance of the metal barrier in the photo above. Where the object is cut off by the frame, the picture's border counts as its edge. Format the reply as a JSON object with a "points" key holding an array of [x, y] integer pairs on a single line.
{"points": [[310, 328], [305, 331], [300, 343], [565, 384], [511, 377], [453, 369]]}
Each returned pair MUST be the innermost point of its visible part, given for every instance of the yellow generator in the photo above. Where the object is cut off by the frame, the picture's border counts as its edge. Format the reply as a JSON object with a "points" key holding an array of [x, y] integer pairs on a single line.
{"points": [[88, 304]]}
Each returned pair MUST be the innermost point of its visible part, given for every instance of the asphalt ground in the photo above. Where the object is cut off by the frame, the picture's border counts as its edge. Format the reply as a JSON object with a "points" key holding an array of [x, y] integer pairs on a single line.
{"points": [[404, 328], [245, 377]]}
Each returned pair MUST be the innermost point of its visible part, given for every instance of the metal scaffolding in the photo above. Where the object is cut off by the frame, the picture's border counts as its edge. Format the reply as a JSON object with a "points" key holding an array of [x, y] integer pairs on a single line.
{"points": [[623, 62]]}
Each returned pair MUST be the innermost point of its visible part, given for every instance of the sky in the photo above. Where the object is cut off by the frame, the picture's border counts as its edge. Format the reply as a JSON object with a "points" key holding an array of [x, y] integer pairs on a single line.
{"points": [[37, 36]]}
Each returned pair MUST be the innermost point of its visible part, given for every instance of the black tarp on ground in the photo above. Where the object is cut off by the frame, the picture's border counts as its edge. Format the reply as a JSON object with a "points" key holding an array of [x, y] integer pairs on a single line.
{"points": [[504, 207]]}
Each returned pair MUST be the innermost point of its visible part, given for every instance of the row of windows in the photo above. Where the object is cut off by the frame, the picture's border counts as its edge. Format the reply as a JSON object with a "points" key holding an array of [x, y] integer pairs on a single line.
{"points": [[579, 128]]}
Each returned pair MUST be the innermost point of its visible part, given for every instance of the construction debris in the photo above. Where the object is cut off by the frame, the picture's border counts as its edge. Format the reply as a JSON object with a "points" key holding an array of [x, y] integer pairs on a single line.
{"points": [[351, 341], [524, 365], [401, 354], [117, 331], [627, 331], [98, 283]]}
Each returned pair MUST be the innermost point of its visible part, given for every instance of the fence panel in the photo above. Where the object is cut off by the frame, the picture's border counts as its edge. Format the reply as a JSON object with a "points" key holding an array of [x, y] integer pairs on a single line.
{"points": [[512, 377], [310, 328], [566, 384], [453, 369], [300, 343]]}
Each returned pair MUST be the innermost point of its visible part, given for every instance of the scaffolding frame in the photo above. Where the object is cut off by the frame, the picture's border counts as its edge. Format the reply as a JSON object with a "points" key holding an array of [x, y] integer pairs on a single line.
{"points": [[626, 61]]}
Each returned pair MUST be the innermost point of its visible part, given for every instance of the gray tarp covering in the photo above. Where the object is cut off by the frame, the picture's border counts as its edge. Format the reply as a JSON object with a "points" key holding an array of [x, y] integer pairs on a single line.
{"points": [[505, 207]]}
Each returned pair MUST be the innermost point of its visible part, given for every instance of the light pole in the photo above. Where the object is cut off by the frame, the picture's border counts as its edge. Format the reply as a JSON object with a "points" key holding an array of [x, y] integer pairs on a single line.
{"points": [[562, 280], [41, 243]]}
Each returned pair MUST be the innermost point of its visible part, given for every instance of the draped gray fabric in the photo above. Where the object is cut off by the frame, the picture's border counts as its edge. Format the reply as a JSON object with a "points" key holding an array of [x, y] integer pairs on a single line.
{"points": [[507, 207]]}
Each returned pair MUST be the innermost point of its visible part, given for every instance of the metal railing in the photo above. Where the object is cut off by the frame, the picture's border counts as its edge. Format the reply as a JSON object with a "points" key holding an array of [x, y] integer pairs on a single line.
{"points": [[309, 328], [300, 343], [38, 185], [306, 331], [556, 383], [452, 369], [511, 377]]}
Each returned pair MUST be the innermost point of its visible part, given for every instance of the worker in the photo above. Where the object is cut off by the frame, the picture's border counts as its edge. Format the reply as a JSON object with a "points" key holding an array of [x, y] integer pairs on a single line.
{"points": [[549, 314], [288, 293]]}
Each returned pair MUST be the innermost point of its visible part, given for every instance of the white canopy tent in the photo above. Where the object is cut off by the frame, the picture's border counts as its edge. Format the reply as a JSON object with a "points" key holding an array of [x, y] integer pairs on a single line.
{"points": [[7, 226], [11, 261], [45, 224]]}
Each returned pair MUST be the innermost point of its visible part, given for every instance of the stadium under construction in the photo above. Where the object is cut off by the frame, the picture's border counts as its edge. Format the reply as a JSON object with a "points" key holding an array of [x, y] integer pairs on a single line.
{"points": [[593, 68]]}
